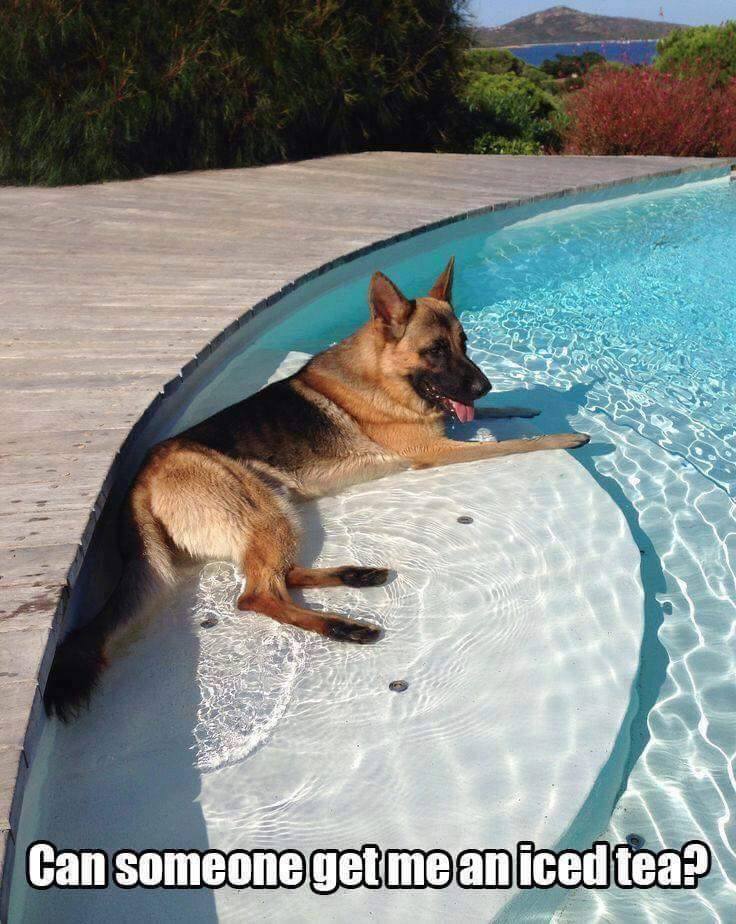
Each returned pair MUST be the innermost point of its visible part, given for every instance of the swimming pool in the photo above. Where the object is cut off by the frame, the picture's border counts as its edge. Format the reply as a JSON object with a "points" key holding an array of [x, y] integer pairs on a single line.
{"points": [[615, 316]]}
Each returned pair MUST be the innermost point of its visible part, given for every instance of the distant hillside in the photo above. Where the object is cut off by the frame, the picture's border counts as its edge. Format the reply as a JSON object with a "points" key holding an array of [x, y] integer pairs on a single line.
{"points": [[563, 24]]}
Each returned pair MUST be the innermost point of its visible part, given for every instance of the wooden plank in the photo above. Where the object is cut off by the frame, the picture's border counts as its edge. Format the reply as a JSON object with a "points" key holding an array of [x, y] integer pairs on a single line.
{"points": [[36, 567], [21, 651], [7, 858], [6, 845], [51, 484], [39, 528], [104, 439], [23, 607], [13, 768], [17, 697]]}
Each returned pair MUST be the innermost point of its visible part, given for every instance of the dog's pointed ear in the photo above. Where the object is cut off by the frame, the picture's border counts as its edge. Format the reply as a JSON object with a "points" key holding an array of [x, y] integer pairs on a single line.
{"points": [[389, 308], [442, 289]]}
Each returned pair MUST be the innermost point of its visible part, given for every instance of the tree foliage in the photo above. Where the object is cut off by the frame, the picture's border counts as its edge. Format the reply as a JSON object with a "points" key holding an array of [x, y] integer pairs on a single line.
{"points": [[511, 107], [502, 61], [571, 65], [493, 144], [102, 89], [707, 51]]}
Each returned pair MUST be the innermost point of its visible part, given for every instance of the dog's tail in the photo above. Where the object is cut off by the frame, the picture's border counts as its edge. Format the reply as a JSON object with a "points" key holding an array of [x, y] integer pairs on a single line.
{"points": [[82, 656]]}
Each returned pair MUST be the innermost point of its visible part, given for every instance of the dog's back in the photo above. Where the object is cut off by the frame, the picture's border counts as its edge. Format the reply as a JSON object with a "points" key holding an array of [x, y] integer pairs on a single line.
{"points": [[283, 425]]}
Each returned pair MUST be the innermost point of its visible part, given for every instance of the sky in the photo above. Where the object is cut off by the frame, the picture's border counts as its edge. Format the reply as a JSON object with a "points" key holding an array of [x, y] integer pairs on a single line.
{"points": [[692, 12]]}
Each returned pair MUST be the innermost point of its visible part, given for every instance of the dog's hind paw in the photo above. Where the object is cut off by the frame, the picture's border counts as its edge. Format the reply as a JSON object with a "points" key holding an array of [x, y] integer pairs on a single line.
{"points": [[359, 633], [353, 576]]}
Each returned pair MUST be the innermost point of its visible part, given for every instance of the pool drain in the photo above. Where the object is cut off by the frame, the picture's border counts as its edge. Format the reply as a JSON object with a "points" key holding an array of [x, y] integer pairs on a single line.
{"points": [[398, 686], [635, 841], [465, 519], [209, 622]]}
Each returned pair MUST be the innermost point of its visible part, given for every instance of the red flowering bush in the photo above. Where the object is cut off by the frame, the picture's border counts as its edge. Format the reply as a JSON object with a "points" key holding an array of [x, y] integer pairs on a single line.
{"points": [[727, 131], [639, 110]]}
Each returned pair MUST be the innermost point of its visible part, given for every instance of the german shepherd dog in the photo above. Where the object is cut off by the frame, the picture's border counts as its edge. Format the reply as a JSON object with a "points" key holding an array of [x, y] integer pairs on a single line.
{"points": [[225, 489]]}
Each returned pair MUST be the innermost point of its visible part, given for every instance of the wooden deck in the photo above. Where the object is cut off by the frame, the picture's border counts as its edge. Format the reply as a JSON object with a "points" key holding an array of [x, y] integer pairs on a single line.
{"points": [[109, 291]]}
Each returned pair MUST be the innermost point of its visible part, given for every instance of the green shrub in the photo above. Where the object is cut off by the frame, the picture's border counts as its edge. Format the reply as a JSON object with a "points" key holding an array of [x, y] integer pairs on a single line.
{"points": [[572, 65], [100, 89], [702, 51], [492, 144], [502, 61], [507, 106], [494, 61]]}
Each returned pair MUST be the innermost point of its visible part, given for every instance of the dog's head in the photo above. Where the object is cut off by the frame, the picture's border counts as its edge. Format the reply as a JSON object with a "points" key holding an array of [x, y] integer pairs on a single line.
{"points": [[423, 343]]}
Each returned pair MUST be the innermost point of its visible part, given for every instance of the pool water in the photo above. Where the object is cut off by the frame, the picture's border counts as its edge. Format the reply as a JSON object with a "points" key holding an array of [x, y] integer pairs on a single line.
{"points": [[617, 318], [630, 309]]}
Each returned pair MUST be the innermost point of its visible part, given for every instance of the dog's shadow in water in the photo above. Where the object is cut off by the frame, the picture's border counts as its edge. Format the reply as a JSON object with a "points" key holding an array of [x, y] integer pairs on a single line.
{"points": [[123, 775]]}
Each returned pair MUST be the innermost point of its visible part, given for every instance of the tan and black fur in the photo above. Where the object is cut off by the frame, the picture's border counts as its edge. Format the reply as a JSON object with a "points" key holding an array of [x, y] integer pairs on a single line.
{"points": [[226, 489]]}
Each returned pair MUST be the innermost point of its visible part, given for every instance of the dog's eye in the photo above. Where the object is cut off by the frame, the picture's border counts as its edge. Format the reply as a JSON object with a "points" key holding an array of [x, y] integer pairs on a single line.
{"points": [[437, 349]]}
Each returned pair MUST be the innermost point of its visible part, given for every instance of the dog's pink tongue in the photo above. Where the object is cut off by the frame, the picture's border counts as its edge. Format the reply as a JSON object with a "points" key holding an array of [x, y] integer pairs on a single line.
{"points": [[463, 412]]}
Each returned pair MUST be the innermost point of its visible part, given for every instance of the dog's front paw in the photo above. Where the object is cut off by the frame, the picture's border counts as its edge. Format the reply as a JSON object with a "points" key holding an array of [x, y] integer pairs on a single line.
{"points": [[562, 441], [359, 633]]}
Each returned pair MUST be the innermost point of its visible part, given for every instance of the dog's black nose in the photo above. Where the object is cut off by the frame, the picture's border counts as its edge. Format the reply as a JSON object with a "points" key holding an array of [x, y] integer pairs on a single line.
{"points": [[481, 386]]}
